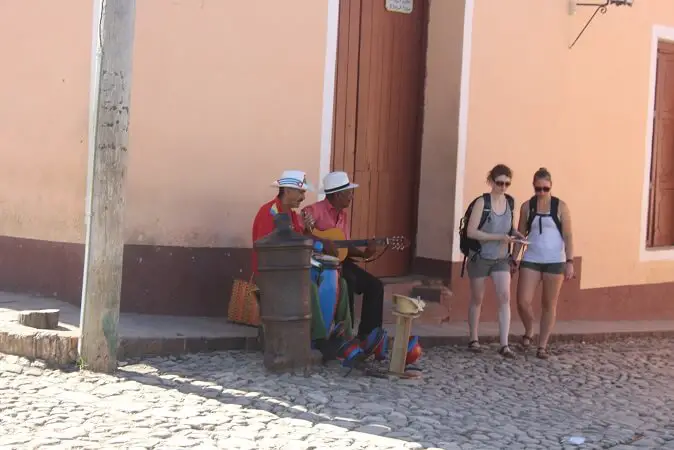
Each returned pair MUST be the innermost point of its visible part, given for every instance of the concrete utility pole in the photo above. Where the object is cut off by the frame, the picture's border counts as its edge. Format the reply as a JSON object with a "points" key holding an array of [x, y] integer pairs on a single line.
{"points": [[113, 25]]}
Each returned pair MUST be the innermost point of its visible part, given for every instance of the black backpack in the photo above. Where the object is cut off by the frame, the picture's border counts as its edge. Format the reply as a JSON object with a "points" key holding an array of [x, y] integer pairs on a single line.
{"points": [[467, 244], [554, 213]]}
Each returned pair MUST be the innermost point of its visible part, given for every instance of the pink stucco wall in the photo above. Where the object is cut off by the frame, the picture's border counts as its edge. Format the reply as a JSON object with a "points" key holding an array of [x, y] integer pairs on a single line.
{"points": [[582, 113], [225, 95], [435, 225], [44, 88]]}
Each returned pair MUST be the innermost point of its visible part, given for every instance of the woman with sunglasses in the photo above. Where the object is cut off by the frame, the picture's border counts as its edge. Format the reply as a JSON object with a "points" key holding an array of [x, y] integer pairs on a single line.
{"points": [[493, 259], [548, 258]]}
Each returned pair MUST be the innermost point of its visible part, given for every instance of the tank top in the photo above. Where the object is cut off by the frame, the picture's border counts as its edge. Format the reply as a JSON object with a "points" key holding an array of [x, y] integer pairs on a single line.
{"points": [[546, 245], [496, 224]]}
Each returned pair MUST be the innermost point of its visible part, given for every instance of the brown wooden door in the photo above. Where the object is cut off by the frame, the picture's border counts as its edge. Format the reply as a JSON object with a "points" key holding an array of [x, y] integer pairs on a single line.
{"points": [[378, 112], [661, 223]]}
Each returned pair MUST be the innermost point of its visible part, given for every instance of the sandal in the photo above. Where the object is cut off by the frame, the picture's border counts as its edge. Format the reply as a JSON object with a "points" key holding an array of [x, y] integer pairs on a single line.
{"points": [[527, 341], [506, 352], [474, 346], [542, 353]]}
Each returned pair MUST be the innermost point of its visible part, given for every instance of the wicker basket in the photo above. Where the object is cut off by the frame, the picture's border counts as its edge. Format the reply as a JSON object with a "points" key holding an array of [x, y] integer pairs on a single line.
{"points": [[244, 307]]}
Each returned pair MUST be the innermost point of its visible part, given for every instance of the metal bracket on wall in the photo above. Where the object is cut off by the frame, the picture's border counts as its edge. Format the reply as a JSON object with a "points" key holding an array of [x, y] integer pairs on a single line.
{"points": [[599, 8]]}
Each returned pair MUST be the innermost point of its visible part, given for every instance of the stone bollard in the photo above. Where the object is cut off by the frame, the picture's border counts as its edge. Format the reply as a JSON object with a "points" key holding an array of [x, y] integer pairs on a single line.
{"points": [[284, 263]]}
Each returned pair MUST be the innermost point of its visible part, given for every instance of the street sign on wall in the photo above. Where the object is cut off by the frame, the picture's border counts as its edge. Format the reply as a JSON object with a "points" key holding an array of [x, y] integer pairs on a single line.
{"points": [[400, 6]]}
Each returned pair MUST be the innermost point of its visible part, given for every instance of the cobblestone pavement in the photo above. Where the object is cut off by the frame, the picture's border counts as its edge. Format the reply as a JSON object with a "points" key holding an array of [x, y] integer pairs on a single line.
{"points": [[614, 395]]}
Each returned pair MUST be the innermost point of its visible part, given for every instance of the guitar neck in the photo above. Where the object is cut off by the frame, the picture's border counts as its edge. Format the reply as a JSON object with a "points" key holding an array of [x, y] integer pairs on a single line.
{"points": [[360, 242]]}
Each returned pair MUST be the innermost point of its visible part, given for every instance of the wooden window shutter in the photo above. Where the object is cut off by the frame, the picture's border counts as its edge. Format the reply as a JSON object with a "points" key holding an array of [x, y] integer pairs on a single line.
{"points": [[661, 206]]}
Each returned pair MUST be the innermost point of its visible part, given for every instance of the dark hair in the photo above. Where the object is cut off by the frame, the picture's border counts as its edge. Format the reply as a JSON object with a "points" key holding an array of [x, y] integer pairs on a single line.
{"points": [[498, 170], [542, 174], [281, 191]]}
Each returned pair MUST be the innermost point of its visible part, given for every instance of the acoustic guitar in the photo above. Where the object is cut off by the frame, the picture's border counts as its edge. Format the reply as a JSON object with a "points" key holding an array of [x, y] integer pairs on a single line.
{"points": [[397, 243]]}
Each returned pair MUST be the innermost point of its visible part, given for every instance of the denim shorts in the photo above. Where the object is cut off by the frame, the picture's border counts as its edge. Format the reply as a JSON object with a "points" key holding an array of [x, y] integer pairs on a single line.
{"points": [[479, 267], [551, 268]]}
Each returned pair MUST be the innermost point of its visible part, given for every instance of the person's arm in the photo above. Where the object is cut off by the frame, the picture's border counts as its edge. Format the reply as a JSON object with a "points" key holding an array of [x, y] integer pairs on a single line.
{"points": [[474, 221], [262, 226], [307, 216], [521, 228], [368, 252], [355, 252], [567, 234]]}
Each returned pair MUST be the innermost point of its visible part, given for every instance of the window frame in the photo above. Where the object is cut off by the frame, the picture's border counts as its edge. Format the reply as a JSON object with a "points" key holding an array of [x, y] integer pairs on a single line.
{"points": [[660, 33]]}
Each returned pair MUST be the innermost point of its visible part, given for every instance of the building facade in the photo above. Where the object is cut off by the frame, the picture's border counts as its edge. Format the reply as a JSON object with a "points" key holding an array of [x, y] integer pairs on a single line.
{"points": [[417, 105]]}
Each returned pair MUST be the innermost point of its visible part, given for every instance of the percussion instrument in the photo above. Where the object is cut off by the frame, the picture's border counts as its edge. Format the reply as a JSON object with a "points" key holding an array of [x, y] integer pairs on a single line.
{"points": [[325, 273]]}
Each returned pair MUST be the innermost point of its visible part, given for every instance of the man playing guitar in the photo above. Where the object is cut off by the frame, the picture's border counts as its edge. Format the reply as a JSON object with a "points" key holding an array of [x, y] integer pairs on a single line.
{"points": [[331, 213], [332, 335]]}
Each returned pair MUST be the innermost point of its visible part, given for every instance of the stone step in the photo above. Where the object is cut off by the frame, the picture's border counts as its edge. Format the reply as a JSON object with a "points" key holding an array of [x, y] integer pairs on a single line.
{"points": [[146, 335], [433, 292], [244, 338]]}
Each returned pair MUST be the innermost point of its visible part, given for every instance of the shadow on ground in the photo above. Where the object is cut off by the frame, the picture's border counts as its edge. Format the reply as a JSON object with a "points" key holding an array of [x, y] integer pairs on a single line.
{"points": [[611, 394], [327, 401]]}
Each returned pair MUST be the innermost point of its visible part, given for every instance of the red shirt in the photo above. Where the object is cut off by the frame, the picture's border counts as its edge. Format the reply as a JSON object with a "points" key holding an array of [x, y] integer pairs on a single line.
{"points": [[326, 217], [264, 223]]}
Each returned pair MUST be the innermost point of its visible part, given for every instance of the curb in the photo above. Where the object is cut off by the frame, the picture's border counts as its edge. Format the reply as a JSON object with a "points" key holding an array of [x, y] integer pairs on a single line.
{"points": [[584, 338], [140, 347], [60, 348], [52, 347]]}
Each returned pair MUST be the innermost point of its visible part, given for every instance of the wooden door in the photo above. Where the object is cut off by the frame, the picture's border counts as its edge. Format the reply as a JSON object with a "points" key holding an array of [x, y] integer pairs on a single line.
{"points": [[661, 223], [378, 116]]}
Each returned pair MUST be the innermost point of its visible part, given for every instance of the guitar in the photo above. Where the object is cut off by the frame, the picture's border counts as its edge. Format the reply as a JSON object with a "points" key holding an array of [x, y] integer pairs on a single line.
{"points": [[397, 243]]}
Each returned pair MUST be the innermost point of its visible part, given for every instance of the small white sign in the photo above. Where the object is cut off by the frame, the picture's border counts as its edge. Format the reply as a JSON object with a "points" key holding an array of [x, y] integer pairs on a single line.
{"points": [[400, 6]]}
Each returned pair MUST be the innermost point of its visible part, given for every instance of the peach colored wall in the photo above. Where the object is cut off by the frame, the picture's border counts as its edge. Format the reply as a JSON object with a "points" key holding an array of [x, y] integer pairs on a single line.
{"points": [[44, 49], [441, 120], [225, 95], [582, 113]]}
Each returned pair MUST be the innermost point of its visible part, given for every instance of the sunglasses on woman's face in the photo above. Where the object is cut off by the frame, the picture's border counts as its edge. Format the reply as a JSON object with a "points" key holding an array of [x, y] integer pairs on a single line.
{"points": [[542, 188], [501, 183]]}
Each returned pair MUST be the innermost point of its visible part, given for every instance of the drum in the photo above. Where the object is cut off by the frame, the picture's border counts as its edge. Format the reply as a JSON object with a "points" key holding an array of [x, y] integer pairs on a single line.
{"points": [[325, 273]]}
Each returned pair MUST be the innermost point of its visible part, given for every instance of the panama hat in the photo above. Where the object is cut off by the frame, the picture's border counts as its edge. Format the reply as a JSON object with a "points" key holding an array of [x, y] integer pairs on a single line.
{"points": [[293, 179], [337, 181]]}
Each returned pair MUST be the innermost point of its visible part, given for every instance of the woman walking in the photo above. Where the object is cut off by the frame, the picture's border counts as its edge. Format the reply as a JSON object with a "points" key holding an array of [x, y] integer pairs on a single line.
{"points": [[491, 225], [546, 222]]}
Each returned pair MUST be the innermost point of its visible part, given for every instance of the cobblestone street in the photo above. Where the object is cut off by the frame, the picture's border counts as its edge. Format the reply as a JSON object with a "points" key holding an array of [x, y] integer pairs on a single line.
{"points": [[615, 395]]}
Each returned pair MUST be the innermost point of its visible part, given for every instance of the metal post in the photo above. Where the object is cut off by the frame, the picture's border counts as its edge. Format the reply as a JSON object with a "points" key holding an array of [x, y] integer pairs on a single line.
{"points": [[284, 263]]}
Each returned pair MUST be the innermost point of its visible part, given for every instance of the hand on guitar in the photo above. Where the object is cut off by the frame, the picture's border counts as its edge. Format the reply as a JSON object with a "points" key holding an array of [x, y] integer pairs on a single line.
{"points": [[334, 240], [371, 249], [329, 247]]}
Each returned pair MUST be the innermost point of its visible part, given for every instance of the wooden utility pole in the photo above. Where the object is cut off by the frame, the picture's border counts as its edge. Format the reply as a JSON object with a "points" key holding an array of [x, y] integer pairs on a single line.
{"points": [[113, 26]]}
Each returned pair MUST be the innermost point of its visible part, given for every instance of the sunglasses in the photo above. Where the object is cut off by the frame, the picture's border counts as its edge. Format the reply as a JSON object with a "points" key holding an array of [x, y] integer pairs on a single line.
{"points": [[542, 188], [500, 183]]}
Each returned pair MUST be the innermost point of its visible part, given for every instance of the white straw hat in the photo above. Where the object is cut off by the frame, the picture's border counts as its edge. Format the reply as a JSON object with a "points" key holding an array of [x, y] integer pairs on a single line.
{"points": [[337, 181], [293, 179]]}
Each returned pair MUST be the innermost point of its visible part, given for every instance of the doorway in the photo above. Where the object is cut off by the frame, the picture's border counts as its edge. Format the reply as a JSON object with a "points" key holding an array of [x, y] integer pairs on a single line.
{"points": [[381, 59]]}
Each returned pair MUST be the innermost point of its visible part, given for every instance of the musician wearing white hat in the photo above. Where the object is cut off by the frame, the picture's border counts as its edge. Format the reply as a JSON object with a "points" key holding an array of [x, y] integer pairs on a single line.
{"points": [[292, 186], [331, 213]]}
